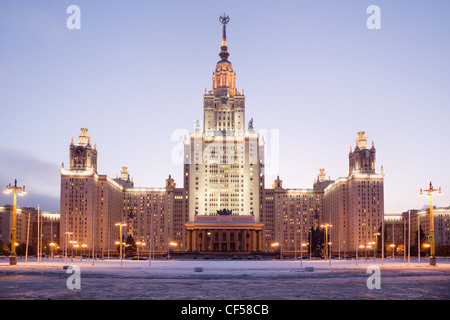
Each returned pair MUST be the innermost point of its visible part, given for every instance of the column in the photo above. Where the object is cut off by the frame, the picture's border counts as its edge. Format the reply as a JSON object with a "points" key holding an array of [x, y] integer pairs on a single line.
{"points": [[203, 247], [253, 240], [188, 240], [260, 240], [213, 239], [228, 241], [209, 243], [194, 240], [244, 240]]}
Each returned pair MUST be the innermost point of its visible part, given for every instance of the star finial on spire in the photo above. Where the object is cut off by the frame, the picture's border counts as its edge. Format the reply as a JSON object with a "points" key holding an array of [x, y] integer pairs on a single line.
{"points": [[224, 20]]}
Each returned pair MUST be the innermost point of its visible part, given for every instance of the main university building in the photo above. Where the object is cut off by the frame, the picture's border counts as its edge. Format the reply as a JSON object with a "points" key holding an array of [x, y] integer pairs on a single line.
{"points": [[224, 205]]}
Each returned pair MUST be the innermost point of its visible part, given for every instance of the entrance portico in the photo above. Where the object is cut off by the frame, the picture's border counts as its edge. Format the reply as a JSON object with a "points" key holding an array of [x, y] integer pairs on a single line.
{"points": [[224, 233]]}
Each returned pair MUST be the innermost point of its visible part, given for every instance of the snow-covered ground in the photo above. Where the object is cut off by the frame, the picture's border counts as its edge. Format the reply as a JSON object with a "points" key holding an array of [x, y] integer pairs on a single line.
{"points": [[225, 279]]}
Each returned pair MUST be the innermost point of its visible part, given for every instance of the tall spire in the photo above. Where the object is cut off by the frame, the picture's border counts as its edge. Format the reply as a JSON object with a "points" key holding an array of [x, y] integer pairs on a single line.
{"points": [[224, 78], [224, 53]]}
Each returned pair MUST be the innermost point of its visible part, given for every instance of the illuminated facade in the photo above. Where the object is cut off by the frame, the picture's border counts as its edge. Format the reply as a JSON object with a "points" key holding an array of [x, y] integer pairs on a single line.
{"points": [[27, 226], [91, 205], [354, 205], [223, 205], [415, 224]]}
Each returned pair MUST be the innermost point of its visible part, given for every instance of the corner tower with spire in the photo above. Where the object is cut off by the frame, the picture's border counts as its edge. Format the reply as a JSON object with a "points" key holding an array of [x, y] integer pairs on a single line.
{"points": [[362, 159], [82, 156]]}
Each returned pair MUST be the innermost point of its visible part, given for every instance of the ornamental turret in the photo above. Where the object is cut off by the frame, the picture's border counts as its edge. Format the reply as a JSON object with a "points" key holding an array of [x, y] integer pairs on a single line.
{"points": [[362, 159]]}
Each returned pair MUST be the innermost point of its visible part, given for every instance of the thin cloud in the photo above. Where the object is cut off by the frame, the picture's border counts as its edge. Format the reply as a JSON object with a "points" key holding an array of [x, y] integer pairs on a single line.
{"points": [[40, 178]]}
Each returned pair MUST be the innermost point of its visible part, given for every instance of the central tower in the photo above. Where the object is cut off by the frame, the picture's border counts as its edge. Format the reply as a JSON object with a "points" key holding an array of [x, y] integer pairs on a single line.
{"points": [[224, 160], [224, 107]]}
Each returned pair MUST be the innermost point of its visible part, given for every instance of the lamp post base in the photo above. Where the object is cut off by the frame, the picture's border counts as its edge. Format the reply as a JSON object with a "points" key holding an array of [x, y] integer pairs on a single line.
{"points": [[432, 260], [12, 260]]}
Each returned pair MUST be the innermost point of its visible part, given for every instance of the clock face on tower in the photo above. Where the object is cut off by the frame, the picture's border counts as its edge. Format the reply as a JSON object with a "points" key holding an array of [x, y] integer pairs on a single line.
{"points": [[79, 150], [366, 154]]}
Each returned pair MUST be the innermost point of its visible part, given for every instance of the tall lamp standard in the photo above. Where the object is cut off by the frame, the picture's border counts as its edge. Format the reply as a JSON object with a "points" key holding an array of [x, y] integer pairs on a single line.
{"points": [[431, 235], [68, 233], [409, 236], [276, 244], [418, 237], [73, 243], [326, 226], [376, 242], [28, 235], [393, 250], [8, 190], [52, 244], [138, 244], [301, 238], [77, 246], [173, 244], [82, 246], [120, 225], [373, 243], [427, 245]]}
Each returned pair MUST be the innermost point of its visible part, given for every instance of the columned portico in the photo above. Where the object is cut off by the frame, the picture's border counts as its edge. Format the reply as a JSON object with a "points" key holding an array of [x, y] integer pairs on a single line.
{"points": [[226, 233]]}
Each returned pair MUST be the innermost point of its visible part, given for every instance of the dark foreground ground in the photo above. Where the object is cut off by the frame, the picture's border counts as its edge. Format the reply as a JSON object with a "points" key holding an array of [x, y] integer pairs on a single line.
{"points": [[227, 280]]}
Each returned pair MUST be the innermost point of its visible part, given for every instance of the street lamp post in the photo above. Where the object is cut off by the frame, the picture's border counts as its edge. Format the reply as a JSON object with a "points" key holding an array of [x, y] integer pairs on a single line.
{"points": [[82, 246], [404, 240], [393, 251], [120, 225], [143, 244], [8, 190], [376, 243], [76, 245], [418, 239], [430, 191], [139, 244], [173, 244], [301, 258], [150, 243], [329, 256], [301, 238], [310, 243], [276, 244], [28, 235], [427, 246], [373, 243], [73, 242], [326, 226], [68, 233], [409, 236], [52, 244], [360, 247]]}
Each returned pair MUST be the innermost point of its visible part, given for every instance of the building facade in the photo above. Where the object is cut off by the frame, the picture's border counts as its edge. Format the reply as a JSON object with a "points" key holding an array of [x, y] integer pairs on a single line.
{"points": [[411, 229], [354, 205], [223, 205], [30, 223]]}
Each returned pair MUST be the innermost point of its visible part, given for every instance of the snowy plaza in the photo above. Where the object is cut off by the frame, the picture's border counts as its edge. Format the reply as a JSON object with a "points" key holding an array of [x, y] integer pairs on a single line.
{"points": [[227, 279]]}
